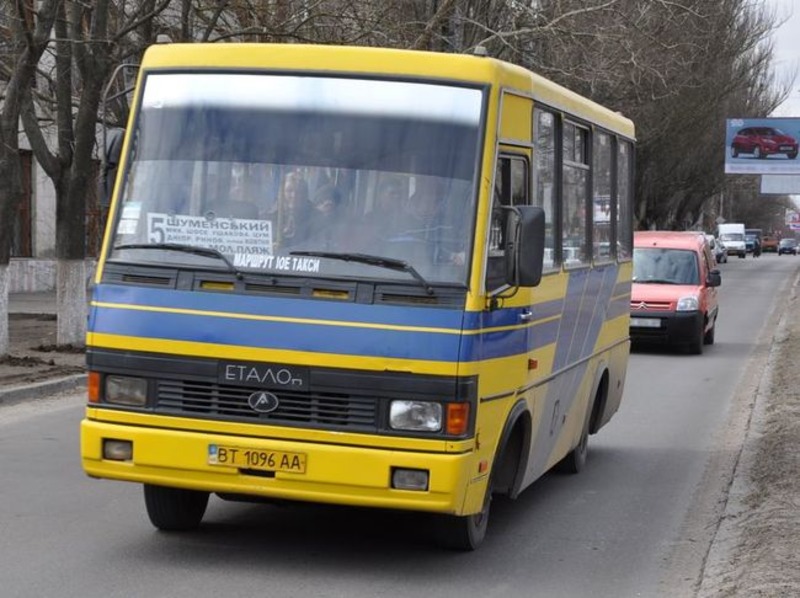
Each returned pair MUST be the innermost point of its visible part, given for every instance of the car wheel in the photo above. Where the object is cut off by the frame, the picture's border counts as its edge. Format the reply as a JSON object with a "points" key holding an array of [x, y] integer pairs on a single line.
{"points": [[792, 155], [708, 339], [757, 153], [696, 344], [734, 151], [174, 509]]}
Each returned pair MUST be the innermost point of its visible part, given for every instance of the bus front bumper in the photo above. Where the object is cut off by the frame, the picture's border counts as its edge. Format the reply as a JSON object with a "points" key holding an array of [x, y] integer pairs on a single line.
{"points": [[335, 474]]}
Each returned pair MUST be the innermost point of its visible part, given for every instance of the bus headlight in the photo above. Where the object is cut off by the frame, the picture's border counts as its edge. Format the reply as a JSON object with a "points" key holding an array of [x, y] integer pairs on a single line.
{"points": [[124, 390], [688, 303], [415, 416]]}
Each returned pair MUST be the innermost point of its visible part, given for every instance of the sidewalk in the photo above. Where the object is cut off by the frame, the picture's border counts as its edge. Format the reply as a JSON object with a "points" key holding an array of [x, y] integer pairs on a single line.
{"points": [[32, 303], [35, 367]]}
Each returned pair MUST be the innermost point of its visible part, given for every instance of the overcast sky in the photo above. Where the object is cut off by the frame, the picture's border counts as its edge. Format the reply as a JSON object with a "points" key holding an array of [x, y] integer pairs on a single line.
{"points": [[787, 50]]}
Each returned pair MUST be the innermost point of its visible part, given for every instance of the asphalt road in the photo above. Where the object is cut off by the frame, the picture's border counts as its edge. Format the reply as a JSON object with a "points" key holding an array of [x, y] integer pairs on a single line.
{"points": [[637, 522]]}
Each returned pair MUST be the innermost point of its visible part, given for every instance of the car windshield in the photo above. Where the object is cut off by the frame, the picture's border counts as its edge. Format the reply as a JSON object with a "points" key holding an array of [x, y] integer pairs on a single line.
{"points": [[259, 167], [788, 242], [668, 266]]}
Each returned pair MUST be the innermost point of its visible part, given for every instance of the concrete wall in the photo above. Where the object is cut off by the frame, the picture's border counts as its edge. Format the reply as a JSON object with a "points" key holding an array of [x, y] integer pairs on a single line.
{"points": [[31, 275], [28, 275]]}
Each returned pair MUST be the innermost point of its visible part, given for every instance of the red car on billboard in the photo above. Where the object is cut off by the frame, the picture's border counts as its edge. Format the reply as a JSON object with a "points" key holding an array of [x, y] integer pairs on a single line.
{"points": [[762, 142]]}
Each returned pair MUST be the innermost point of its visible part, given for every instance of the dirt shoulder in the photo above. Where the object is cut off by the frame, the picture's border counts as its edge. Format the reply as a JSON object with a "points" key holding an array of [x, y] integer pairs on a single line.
{"points": [[755, 550], [33, 354]]}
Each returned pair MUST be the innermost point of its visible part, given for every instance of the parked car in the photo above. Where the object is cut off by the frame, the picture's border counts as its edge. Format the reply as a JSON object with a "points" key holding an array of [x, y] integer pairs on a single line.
{"points": [[721, 252], [717, 249], [674, 292], [762, 142], [787, 246]]}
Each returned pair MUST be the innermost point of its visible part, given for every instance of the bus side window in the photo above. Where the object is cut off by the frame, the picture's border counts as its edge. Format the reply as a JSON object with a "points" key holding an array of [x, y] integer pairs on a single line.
{"points": [[544, 195], [602, 248], [510, 188], [575, 190], [624, 201]]}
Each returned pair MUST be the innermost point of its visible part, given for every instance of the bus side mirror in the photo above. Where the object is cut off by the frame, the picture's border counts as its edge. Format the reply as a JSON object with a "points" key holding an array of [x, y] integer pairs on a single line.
{"points": [[525, 229], [109, 165]]}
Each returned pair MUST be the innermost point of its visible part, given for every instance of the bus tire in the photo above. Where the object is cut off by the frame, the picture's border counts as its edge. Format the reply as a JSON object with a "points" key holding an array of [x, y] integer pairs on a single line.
{"points": [[575, 461], [464, 532], [174, 509]]}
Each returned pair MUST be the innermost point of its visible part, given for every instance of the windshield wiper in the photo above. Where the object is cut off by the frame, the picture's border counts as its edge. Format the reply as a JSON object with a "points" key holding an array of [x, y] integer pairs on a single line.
{"points": [[204, 251], [655, 281], [372, 260]]}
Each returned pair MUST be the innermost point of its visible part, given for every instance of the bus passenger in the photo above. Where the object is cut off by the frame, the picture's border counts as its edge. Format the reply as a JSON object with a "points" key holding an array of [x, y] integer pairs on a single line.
{"points": [[292, 211], [378, 223], [328, 221]]}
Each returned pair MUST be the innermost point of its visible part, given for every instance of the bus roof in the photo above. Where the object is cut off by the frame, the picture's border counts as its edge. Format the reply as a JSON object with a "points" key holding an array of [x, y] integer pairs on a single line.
{"points": [[386, 62]]}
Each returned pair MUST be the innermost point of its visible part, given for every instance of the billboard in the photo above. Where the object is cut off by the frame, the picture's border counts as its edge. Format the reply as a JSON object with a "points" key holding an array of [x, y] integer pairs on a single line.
{"points": [[780, 184], [762, 146], [793, 220]]}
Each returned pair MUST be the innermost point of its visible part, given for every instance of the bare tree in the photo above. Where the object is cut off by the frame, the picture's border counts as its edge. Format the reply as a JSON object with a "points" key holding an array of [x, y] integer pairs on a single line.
{"points": [[24, 41], [90, 41], [676, 67]]}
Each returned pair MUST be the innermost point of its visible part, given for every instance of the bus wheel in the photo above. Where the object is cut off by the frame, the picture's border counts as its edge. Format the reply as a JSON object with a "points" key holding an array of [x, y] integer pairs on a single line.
{"points": [[575, 461], [174, 509], [464, 533]]}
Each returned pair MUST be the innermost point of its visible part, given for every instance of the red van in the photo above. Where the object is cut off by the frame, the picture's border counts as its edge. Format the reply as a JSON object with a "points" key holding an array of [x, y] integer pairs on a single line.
{"points": [[674, 294]]}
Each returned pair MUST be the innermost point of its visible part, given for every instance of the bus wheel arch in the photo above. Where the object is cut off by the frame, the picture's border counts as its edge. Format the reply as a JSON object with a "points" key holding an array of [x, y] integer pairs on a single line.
{"points": [[466, 533], [575, 461], [512, 454], [600, 400]]}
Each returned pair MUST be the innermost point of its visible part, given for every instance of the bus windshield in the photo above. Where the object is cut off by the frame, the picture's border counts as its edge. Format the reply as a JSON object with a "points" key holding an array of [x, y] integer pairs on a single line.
{"points": [[272, 170]]}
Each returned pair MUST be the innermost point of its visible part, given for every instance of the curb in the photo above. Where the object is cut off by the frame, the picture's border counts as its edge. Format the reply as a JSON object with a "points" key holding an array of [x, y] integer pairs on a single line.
{"points": [[40, 390]]}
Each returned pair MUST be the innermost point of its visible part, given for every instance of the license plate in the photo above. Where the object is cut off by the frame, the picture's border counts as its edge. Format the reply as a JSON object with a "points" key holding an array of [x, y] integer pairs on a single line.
{"points": [[249, 458], [645, 323], [786, 148]]}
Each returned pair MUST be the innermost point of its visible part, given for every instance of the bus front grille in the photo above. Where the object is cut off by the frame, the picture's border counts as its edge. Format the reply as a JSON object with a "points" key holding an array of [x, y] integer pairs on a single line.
{"points": [[212, 400]]}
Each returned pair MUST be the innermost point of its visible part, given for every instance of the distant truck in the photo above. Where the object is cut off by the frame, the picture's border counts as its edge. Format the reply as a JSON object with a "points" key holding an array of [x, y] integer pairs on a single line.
{"points": [[733, 237], [769, 243]]}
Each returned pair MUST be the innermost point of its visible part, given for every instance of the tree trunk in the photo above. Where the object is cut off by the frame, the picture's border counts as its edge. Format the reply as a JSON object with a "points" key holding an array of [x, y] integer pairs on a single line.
{"points": [[71, 302], [4, 335]]}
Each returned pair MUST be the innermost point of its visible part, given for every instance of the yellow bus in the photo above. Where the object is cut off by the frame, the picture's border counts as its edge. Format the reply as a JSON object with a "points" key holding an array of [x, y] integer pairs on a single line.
{"points": [[356, 276]]}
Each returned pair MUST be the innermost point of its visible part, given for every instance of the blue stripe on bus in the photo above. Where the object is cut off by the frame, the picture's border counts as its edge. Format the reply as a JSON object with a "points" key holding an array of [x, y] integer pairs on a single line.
{"points": [[361, 330], [294, 336], [280, 307]]}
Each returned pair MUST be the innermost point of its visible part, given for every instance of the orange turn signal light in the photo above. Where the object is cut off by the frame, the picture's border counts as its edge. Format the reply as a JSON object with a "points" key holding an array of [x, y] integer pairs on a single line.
{"points": [[457, 418], [93, 387]]}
